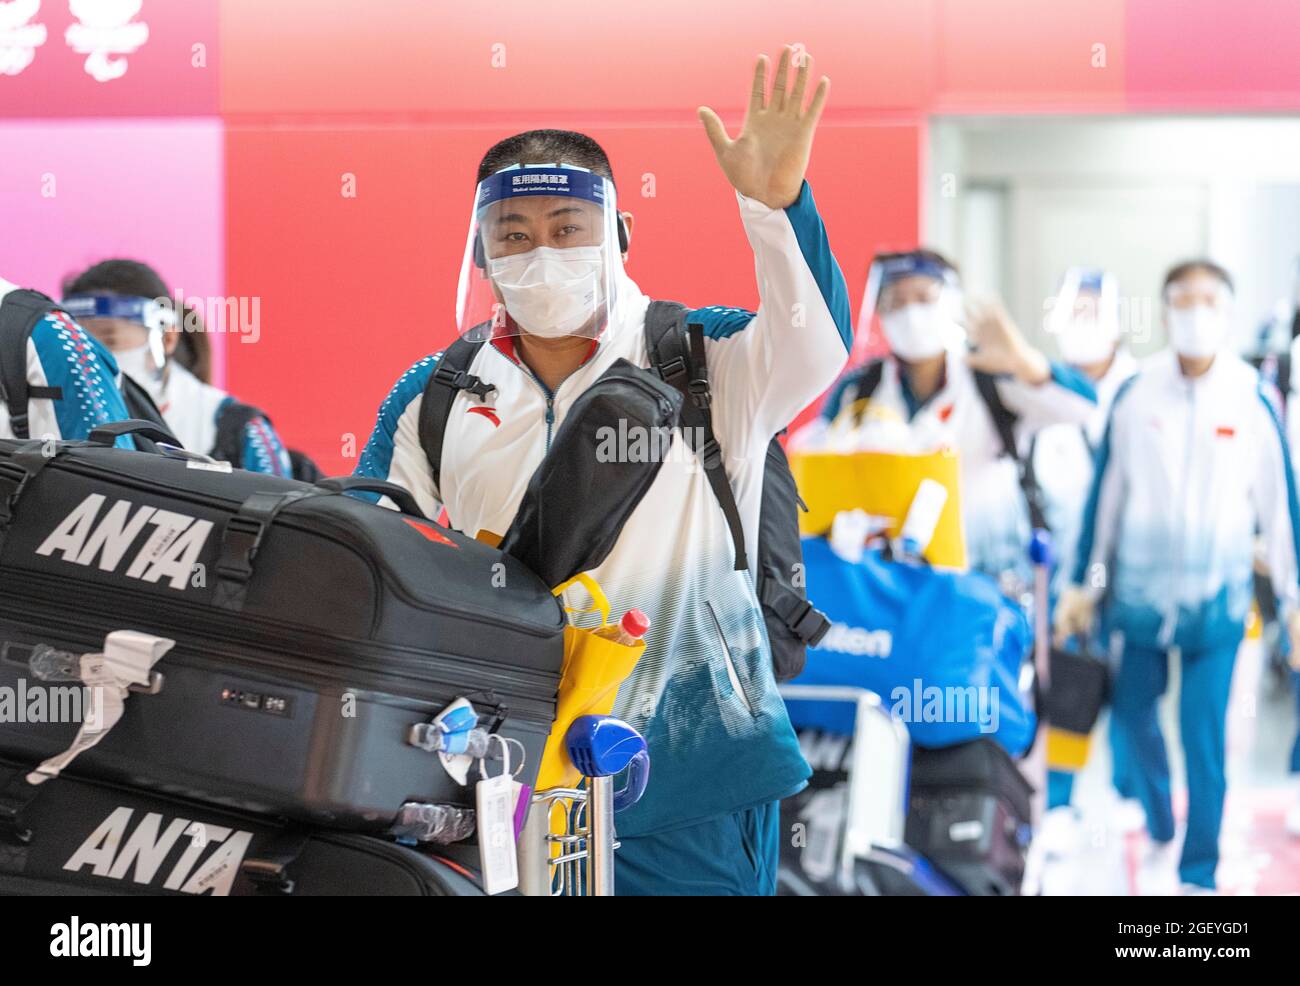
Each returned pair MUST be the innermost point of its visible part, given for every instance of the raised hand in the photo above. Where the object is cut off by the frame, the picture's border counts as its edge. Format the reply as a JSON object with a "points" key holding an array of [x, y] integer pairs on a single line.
{"points": [[768, 159], [999, 346]]}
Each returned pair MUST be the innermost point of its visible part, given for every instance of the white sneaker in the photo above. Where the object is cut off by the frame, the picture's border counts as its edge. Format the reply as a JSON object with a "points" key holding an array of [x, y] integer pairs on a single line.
{"points": [[1129, 816], [1157, 874]]}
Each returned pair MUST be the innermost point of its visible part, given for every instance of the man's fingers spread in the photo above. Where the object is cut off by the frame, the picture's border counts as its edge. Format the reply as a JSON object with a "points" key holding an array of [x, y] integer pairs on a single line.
{"points": [[717, 133], [760, 83], [778, 85], [800, 81], [819, 100]]}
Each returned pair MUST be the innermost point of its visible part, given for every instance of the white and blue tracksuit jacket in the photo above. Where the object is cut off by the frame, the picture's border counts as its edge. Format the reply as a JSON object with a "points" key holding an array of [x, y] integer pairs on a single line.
{"points": [[1063, 459], [994, 516], [192, 408], [60, 353], [706, 701], [1187, 471]]}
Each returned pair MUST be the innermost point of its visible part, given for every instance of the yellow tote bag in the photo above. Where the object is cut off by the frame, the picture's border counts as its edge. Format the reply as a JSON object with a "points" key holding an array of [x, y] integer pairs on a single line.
{"points": [[882, 484], [593, 669]]}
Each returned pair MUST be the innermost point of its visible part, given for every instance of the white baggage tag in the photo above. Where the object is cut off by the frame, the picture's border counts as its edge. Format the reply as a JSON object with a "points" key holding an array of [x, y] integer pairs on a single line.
{"points": [[494, 799]]}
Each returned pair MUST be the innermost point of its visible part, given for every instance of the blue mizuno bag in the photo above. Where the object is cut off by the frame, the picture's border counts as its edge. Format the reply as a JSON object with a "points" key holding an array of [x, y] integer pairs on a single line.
{"points": [[942, 649]]}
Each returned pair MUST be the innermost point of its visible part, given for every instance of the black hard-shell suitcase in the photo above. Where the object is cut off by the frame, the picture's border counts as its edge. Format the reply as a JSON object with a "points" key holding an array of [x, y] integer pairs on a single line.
{"points": [[312, 630], [969, 813], [91, 838]]}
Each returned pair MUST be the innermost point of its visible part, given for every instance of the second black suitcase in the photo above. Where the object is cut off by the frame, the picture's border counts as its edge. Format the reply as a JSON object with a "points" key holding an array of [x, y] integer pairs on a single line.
{"points": [[312, 630], [969, 813]]}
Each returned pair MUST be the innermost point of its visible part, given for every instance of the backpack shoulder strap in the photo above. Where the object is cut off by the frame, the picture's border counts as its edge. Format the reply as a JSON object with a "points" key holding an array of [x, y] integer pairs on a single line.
{"points": [[20, 311], [1004, 422], [867, 384], [677, 355], [233, 419], [449, 377]]}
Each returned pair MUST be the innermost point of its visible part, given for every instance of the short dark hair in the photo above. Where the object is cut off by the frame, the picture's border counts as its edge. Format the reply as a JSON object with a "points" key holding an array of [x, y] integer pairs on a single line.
{"points": [[117, 276], [136, 279], [1181, 270], [546, 147]]}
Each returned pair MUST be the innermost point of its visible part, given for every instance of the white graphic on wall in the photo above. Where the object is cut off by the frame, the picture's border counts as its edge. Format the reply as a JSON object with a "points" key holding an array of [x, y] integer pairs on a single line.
{"points": [[105, 33], [19, 38]]}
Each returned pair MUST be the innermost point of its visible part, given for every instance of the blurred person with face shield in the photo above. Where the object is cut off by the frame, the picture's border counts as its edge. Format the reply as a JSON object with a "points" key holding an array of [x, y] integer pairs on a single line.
{"points": [[1193, 461], [128, 307], [544, 308], [961, 387], [1084, 318]]}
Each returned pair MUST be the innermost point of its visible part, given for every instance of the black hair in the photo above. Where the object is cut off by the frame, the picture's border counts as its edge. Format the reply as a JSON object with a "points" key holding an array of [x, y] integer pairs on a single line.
{"points": [[1181, 270], [546, 147], [135, 279]]}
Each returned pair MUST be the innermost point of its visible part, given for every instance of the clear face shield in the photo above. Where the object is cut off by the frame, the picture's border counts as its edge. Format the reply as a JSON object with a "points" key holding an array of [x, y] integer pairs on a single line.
{"points": [[132, 328], [1084, 317], [543, 257], [919, 303]]}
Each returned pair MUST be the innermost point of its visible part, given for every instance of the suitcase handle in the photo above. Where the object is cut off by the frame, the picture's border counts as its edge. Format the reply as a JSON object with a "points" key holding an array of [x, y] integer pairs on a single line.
{"points": [[400, 495], [107, 434]]}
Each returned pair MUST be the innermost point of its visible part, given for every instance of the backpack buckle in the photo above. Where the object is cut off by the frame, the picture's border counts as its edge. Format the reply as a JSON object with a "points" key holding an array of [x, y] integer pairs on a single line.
{"points": [[710, 454], [461, 380], [239, 544], [675, 367], [700, 394]]}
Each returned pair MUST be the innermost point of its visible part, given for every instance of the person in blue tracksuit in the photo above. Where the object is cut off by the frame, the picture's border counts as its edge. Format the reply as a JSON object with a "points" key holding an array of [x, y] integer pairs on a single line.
{"points": [[545, 292], [60, 353], [129, 308], [1193, 461]]}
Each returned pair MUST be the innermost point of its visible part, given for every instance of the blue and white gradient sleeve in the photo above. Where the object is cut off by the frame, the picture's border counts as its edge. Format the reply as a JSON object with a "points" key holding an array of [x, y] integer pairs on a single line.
{"points": [[264, 451], [1276, 505], [393, 452], [60, 353]]}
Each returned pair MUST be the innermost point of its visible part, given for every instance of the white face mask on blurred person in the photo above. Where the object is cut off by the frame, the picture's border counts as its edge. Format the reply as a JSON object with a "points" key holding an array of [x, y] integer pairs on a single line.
{"points": [[138, 363], [551, 292], [1198, 331], [1083, 341], [916, 331]]}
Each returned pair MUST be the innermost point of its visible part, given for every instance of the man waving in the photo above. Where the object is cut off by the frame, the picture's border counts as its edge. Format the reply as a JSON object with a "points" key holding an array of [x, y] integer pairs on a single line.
{"points": [[546, 301]]}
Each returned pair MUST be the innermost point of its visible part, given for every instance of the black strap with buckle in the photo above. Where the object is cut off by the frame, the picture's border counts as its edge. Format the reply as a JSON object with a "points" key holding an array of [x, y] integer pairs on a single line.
{"points": [[241, 541]]}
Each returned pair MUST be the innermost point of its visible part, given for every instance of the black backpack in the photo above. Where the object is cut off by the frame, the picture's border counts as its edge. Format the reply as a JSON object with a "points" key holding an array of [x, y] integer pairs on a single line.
{"points": [[1004, 422], [232, 418], [676, 353], [20, 312]]}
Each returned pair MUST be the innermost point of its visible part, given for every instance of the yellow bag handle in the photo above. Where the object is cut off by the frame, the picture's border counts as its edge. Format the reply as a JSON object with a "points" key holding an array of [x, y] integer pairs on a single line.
{"points": [[600, 602]]}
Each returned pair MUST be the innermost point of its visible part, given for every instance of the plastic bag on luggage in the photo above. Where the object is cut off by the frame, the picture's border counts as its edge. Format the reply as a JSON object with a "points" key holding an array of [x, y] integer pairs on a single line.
{"points": [[594, 667], [943, 650]]}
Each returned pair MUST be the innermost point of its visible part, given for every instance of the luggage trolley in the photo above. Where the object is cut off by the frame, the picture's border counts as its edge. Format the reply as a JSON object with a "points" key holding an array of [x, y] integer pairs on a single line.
{"points": [[566, 848]]}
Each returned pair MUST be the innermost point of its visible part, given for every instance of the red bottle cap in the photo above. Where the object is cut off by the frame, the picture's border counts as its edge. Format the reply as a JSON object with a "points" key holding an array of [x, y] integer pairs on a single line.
{"points": [[635, 623]]}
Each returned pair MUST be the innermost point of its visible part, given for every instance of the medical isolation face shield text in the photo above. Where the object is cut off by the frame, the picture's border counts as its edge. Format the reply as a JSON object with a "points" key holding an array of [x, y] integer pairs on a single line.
{"points": [[1084, 316], [543, 255]]}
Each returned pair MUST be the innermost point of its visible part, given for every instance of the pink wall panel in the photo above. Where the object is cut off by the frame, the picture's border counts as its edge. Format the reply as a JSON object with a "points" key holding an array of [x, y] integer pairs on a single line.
{"points": [[82, 191], [1212, 55], [160, 76], [462, 61]]}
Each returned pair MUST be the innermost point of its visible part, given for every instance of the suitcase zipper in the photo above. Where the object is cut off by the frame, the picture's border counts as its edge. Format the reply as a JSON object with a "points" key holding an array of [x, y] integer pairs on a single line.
{"points": [[459, 678]]}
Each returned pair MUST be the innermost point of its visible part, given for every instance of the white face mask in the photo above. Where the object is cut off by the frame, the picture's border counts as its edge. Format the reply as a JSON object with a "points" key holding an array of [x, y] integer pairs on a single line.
{"points": [[1083, 342], [138, 363], [916, 331], [551, 292], [1198, 331]]}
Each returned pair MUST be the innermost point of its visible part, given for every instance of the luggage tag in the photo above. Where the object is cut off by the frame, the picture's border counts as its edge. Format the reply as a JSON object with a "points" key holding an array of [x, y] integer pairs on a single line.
{"points": [[495, 800]]}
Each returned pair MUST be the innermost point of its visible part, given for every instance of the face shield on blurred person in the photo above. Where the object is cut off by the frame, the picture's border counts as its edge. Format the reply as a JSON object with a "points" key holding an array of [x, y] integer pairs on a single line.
{"points": [[1198, 309], [1084, 317], [543, 257], [918, 300], [133, 329]]}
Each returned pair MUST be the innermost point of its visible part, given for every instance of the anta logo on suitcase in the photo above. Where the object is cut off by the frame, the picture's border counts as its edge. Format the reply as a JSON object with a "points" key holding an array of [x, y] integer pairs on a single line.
{"points": [[205, 858], [170, 542]]}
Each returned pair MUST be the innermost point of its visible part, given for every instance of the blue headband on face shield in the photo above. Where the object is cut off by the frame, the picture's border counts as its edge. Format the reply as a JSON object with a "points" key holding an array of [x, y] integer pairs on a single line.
{"points": [[914, 265], [559, 179], [148, 312]]}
